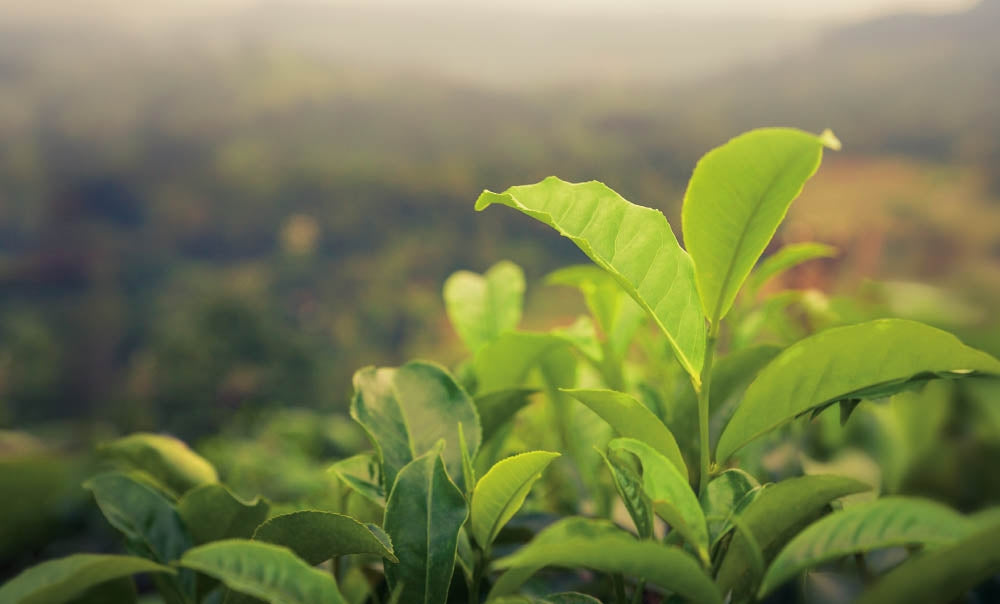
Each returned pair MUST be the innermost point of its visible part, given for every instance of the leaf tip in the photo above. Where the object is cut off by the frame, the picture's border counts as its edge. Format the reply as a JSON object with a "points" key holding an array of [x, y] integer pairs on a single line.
{"points": [[830, 140]]}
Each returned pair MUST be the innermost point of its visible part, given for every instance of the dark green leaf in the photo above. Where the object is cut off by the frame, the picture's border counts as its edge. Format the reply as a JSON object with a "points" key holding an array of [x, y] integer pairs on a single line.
{"points": [[738, 195], [211, 512], [318, 536], [867, 360], [774, 517], [888, 522], [633, 243], [165, 458], [269, 572], [481, 307], [142, 514], [423, 515], [599, 546], [406, 411], [61, 580]]}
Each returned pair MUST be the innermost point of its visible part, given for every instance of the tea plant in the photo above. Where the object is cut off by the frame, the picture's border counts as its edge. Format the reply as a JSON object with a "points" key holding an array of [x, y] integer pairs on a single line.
{"points": [[636, 450]]}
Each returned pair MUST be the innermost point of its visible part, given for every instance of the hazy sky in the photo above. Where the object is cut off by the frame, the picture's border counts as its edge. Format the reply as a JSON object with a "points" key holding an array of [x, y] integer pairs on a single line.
{"points": [[797, 9]]}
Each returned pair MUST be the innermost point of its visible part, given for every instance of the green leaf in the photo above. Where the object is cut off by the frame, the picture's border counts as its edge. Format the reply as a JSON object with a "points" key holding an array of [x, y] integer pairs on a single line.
{"points": [[506, 362], [632, 419], [317, 536], [629, 487], [774, 517], [722, 496], [598, 545], [633, 243], [165, 458], [868, 360], [142, 514], [262, 570], [502, 491], [617, 314], [423, 516], [569, 597], [481, 307], [786, 258], [496, 408], [672, 497], [407, 410], [554, 534], [940, 575], [361, 473], [61, 580], [888, 522], [211, 512], [736, 198]]}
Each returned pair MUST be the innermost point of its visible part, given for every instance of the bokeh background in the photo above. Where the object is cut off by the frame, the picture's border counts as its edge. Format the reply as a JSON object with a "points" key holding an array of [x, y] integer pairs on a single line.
{"points": [[215, 211]]}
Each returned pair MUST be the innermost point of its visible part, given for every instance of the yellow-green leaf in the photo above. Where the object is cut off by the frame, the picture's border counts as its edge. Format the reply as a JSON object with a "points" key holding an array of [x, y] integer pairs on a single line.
{"points": [[165, 458], [868, 360], [888, 522], [481, 307], [736, 198], [632, 419], [502, 491], [633, 243]]}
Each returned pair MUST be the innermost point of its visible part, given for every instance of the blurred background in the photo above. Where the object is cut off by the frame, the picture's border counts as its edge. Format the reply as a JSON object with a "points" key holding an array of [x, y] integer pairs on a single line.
{"points": [[214, 209]]}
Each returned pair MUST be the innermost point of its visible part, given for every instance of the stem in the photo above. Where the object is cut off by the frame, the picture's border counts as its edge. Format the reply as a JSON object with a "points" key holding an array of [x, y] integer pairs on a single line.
{"points": [[703, 407], [479, 568], [640, 590], [618, 584]]}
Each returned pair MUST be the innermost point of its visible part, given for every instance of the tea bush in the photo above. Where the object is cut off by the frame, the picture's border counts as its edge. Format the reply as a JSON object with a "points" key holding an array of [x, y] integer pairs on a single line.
{"points": [[624, 450]]}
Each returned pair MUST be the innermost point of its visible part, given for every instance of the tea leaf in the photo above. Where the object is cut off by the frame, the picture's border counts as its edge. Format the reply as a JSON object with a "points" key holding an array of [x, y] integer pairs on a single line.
{"points": [[672, 497], [211, 512], [361, 473], [407, 410], [942, 574], [722, 496], [497, 407], [774, 517], [629, 487], [600, 546], [165, 458], [868, 360], [502, 491], [632, 419], [317, 536], [736, 198], [481, 307], [269, 572], [61, 580], [506, 362], [784, 259], [142, 514], [633, 243], [423, 515], [888, 522]]}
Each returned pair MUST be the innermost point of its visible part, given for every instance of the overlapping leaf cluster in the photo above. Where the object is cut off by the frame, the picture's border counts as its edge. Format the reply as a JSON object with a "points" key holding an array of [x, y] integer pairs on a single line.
{"points": [[626, 444]]}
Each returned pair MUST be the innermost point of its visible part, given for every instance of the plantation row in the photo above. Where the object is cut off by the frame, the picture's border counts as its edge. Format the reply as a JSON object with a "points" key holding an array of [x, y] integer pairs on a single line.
{"points": [[632, 448]]}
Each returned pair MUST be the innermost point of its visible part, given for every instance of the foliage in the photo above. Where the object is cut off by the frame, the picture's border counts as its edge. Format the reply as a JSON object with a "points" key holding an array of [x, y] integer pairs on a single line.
{"points": [[545, 448]]}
